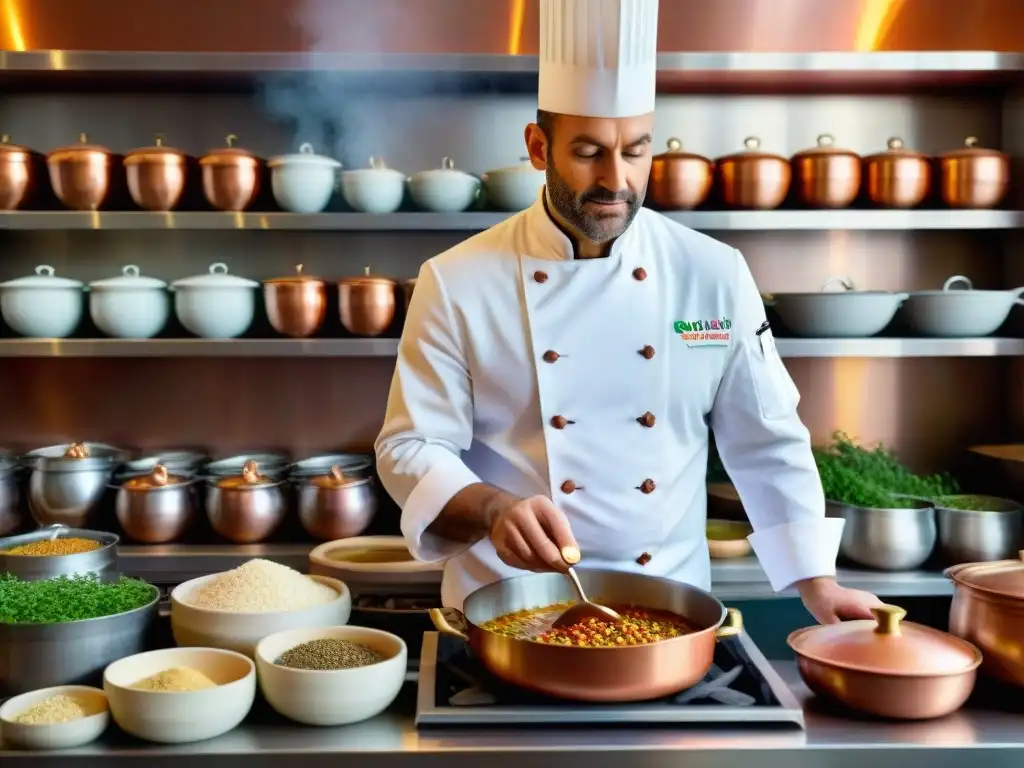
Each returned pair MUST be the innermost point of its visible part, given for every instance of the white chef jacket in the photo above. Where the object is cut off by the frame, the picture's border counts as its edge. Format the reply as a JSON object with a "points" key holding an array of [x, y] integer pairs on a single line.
{"points": [[594, 382]]}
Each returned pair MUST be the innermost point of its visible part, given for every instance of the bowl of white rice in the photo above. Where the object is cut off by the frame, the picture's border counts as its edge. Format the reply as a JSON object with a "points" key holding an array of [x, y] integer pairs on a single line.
{"points": [[236, 609]]}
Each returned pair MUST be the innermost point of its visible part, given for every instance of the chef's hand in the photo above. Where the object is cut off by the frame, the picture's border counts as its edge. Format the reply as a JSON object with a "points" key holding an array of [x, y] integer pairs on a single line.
{"points": [[530, 533], [830, 603]]}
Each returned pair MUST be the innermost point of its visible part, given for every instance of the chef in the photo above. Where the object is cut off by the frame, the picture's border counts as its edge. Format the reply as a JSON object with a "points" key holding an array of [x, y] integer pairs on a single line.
{"points": [[558, 374]]}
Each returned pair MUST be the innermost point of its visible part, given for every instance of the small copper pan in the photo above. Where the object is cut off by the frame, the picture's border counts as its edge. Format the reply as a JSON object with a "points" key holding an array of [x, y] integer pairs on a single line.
{"points": [[296, 305], [753, 179], [898, 177], [973, 177], [367, 303], [15, 173], [826, 176]]}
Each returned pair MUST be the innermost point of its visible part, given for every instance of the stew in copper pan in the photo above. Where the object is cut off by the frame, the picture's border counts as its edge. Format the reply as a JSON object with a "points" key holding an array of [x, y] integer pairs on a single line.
{"points": [[638, 626]]}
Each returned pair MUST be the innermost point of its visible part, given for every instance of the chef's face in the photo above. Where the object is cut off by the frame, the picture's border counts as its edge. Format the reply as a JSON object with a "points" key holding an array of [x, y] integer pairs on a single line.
{"points": [[597, 169]]}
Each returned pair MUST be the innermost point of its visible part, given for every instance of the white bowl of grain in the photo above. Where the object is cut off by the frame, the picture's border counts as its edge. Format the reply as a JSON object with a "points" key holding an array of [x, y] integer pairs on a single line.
{"points": [[236, 609], [54, 718], [329, 695], [180, 695]]}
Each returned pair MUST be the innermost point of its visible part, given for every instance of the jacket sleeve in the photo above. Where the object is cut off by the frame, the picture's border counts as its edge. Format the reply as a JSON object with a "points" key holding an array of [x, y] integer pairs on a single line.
{"points": [[766, 450], [429, 420]]}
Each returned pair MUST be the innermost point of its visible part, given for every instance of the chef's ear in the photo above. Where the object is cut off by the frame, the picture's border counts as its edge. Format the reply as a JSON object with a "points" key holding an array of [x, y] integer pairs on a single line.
{"points": [[537, 146]]}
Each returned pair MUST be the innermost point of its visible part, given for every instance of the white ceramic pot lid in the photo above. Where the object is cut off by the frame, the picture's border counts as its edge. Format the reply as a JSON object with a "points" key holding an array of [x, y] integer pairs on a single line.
{"points": [[446, 171], [129, 278], [377, 168], [43, 278], [525, 166], [305, 156], [217, 278]]}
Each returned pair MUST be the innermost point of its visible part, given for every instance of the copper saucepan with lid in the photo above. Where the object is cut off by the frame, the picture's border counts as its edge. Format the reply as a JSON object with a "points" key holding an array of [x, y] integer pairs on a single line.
{"points": [[973, 177], [826, 175], [680, 181], [753, 179], [887, 667], [898, 177], [156, 176], [15, 173], [598, 674], [80, 174]]}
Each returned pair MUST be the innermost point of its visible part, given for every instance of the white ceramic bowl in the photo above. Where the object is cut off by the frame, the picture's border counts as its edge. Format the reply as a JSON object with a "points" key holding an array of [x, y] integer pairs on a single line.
{"points": [[368, 562], [373, 190], [176, 718], [444, 189], [217, 305], [303, 182], [514, 188], [57, 735], [42, 305], [332, 697], [130, 306], [237, 631]]}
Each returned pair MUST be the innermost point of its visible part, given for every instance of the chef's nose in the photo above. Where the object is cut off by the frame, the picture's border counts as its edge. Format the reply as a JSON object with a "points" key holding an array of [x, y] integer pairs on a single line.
{"points": [[614, 176]]}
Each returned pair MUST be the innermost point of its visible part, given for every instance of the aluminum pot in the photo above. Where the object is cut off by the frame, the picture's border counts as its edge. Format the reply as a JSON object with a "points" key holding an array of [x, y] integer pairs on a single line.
{"points": [[619, 674], [897, 539], [11, 516], [366, 303], [978, 528], [245, 508], [887, 667], [898, 177], [973, 177], [67, 490], [988, 610], [38, 456], [960, 313], [680, 181], [102, 562], [231, 177], [827, 177], [34, 656], [847, 313], [753, 179], [333, 506], [15, 174], [157, 507], [297, 304], [80, 175], [156, 176]]}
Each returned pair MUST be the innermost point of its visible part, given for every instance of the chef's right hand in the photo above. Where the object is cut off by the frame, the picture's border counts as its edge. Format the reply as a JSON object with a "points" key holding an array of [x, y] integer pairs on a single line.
{"points": [[529, 534]]}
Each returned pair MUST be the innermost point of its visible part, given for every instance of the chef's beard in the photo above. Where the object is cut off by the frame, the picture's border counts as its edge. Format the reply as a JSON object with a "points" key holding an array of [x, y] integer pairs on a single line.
{"points": [[571, 207]]}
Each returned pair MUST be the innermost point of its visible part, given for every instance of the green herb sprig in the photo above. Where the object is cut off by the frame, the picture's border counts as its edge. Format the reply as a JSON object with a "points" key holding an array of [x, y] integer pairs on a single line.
{"points": [[68, 598]]}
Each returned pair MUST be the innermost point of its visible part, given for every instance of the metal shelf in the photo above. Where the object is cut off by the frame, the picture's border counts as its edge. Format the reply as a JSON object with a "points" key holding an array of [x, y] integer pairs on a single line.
{"points": [[822, 348], [788, 220]]}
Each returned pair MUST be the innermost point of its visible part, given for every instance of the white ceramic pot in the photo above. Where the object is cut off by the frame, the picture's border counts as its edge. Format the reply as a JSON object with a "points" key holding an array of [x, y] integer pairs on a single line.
{"points": [[514, 188], [42, 305], [217, 305], [960, 313], [444, 189], [377, 189], [303, 183], [843, 314], [129, 306]]}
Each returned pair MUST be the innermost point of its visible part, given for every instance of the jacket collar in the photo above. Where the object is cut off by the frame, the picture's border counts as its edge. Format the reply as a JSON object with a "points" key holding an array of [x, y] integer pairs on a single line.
{"points": [[548, 241]]}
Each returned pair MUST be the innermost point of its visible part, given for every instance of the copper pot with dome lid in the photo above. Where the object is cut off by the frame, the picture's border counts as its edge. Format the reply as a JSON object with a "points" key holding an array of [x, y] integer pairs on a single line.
{"points": [[156, 176], [231, 176], [296, 304], [680, 180], [898, 177], [157, 507], [80, 174], [753, 179], [245, 508], [973, 177], [16, 170], [827, 176], [367, 303], [887, 667], [334, 505]]}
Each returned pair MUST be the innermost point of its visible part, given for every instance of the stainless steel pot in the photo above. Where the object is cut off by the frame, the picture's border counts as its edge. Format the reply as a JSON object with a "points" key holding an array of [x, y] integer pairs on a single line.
{"points": [[37, 656], [156, 508], [898, 539], [960, 313], [334, 506], [246, 508], [35, 457], [847, 313], [102, 562], [10, 506], [351, 464], [979, 535], [67, 490]]}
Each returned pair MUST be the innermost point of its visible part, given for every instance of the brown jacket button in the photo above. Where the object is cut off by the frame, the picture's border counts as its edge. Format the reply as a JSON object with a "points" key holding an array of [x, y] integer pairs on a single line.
{"points": [[639, 273], [540, 277], [560, 422], [551, 356], [647, 419], [568, 486], [647, 486], [647, 351], [644, 559]]}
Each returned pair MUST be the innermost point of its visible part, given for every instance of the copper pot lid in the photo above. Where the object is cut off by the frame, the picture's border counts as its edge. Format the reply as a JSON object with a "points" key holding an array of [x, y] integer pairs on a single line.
{"points": [[676, 152], [250, 478], [157, 478], [825, 146], [336, 478], [752, 152], [895, 148], [158, 153], [366, 279], [14, 153], [970, 150], [886, 646], [298, 277], [77, 151], [228, 155], [1004, 578]]}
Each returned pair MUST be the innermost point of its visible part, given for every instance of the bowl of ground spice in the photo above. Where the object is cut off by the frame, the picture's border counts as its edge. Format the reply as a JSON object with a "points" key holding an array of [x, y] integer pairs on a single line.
{"points": [[331, 675], [180, 695], [60, 551], [54, 718]]}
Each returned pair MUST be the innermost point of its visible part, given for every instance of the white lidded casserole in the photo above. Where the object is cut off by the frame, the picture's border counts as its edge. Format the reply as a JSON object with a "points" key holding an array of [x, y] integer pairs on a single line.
{"points": [[377, 189], [303, 182], [514, 188], [444, 189], [42, 305], [216, 305], [129, 306]]}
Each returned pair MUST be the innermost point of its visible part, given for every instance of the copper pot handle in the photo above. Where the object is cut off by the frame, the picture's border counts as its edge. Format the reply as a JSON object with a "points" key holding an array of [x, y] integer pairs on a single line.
{"points": [[442, 625], [732, 626]]}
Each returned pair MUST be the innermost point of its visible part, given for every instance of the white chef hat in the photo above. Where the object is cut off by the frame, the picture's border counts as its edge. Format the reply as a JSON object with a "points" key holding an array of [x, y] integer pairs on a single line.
{"points": [[598, 58]]}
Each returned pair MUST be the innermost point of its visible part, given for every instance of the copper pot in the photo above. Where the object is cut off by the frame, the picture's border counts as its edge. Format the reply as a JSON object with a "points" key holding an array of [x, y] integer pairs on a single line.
{"points": [[157, 507], [366, 303], [898, 177], [231, 177], [973, 177], [988, 610], [753, 179], [245, 508], [408, 286], [827, 177], [15, 174], [296, 305], [680, 181], [615, 674], [156, 176], [887, 667], [80, 175]]}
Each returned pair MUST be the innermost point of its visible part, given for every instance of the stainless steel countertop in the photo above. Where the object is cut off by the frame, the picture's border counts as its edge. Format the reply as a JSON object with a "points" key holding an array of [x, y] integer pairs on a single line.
{"points": [[392, 739]]}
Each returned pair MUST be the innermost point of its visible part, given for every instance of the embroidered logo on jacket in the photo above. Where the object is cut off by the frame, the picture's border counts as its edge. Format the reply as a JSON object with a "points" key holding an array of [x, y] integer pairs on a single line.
{"points": [[704, 333]]}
